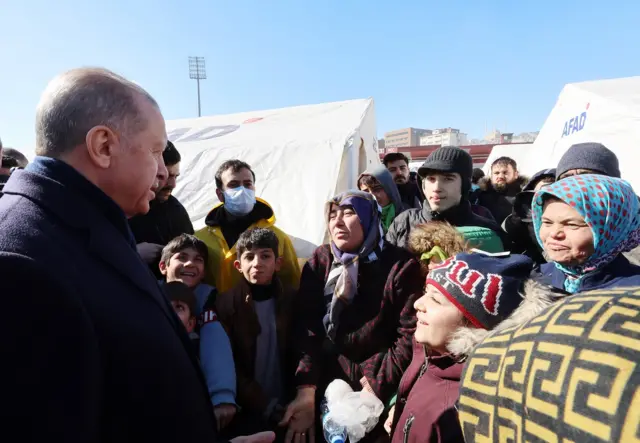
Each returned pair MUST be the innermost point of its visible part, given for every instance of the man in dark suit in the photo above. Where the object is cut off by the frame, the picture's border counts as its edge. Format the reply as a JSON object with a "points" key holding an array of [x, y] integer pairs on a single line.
{"points": [[91, 349]]}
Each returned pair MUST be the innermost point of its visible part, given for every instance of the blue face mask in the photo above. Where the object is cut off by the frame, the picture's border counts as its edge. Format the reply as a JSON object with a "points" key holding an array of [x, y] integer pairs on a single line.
{"points": [[239, 201]]}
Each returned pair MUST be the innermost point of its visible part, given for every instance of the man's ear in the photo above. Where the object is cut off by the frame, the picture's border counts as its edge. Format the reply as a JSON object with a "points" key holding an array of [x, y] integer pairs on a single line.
{"points": [[220, 195], [279, 261], [102, 145], [238, 266], [163, 268]]}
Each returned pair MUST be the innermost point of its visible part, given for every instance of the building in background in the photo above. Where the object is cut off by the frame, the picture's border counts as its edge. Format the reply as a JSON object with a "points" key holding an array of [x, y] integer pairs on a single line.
{"points": [[444, 137], [401, 138], [381, 144], [479, 153]]}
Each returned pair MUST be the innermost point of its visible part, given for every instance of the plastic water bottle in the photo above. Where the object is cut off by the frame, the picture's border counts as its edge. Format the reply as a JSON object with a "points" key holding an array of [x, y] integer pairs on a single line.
{"points": [[333, 432]]}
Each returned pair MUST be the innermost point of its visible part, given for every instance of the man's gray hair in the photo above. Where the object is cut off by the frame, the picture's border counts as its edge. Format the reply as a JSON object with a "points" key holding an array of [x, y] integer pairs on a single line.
{"points": [[80, 99]]}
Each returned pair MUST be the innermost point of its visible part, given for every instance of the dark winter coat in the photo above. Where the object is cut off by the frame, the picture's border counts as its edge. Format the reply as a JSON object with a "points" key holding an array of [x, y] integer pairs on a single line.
{"points": [[411, 194], [460, 215], [93, 351], [425, 409], [164, 222], [499, 203], [375, 335]]}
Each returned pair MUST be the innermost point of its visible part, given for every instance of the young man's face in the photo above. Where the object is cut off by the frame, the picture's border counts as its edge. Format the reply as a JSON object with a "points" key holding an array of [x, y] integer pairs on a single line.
{"points": [[442, 190], [378, 192], [185, 315], [503, 175], [186, 266], [168, 186], [258, 265], [232, 180], [399, 170]]}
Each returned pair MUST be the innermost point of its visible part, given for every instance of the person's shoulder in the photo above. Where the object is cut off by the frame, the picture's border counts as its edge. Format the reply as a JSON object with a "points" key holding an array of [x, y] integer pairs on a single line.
{"points": [[320, 258], [484, 186], [279, 232], [405, 218], [28, 276], [397, 257], [479, 220], [176, 204], [19, 218]]}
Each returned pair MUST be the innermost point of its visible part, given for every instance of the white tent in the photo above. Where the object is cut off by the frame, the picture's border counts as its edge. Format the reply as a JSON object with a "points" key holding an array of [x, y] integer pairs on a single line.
{"points": [[516, 151], [301, 156], [605, 111]]}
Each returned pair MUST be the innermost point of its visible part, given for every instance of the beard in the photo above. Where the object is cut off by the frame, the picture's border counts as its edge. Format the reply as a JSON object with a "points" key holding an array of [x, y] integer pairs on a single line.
{"points": [[401, 180], [501, 187]]}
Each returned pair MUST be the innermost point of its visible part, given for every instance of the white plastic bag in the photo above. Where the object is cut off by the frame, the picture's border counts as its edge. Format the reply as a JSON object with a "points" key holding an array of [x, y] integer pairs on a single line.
{"points": [[359, 412]]}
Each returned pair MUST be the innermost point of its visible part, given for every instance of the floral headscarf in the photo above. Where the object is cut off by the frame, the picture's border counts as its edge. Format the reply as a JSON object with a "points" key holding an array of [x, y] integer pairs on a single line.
{"points": [[342, 283], [610, 208]]}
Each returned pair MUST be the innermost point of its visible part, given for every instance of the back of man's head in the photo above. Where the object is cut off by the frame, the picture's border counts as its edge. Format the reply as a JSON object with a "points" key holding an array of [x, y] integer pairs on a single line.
{"points": [[81, 99]]}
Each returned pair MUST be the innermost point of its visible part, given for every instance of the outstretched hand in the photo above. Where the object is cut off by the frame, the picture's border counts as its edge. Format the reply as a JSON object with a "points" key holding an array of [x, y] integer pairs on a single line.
{"points": [[299, 417]]}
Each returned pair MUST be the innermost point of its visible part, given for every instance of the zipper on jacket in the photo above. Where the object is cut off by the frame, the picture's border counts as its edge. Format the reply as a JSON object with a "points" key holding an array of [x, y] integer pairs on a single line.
{"points": [[423, 369], [407, 428]]}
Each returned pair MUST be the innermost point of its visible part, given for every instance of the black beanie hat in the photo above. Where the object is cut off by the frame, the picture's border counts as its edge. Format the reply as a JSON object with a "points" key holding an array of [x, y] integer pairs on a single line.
{"points": [[450, 159], [593, 156]]}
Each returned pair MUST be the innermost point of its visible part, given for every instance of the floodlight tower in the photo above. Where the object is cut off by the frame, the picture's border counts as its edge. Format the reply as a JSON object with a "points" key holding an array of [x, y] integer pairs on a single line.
{"points": [[197, 72]]}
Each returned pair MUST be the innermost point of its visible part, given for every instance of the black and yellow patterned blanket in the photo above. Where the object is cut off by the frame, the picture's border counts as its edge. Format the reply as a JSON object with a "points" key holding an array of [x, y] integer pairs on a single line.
{"points": [[568, 375]]}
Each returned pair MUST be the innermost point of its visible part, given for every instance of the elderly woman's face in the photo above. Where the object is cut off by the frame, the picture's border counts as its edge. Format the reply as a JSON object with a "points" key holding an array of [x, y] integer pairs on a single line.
{"points": [[566, 237], [438, 318], [345, 228]]}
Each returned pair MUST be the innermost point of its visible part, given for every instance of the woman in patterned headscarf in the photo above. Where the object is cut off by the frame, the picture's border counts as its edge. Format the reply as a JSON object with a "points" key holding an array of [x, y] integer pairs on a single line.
{"points": [[355, 308], [585, 223]]}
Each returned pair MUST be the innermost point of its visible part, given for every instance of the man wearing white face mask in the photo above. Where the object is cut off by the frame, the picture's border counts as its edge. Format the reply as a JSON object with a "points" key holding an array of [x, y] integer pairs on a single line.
{"points": [[238, 211]]}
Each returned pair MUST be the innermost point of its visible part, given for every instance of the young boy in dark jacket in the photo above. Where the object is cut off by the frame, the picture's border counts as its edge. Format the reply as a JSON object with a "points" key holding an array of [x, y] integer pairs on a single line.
{"points": [[257, 315]]}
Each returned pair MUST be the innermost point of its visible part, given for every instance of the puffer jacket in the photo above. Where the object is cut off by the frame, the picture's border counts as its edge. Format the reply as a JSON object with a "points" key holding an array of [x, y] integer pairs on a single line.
{"points": [[460, 215]]}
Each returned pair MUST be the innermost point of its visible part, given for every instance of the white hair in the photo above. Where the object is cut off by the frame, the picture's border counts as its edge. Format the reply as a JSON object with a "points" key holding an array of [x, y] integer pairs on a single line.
{"points": [[80, 99]]}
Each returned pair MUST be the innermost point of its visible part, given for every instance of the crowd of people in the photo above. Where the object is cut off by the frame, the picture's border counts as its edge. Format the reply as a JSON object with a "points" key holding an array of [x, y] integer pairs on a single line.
{"points": [[456, 299]]}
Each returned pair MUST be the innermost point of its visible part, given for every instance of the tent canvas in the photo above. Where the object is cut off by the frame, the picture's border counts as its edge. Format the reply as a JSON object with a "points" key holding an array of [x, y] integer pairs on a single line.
{"points": [[516, 151], [301, 156], [605, 111]]}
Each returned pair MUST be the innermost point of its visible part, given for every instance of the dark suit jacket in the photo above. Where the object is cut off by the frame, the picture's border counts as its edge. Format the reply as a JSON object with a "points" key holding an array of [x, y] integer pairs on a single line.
{"points": [[91, 350]]}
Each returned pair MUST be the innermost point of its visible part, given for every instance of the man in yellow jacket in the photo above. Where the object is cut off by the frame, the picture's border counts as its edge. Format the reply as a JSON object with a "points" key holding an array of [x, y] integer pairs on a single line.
{"points": [[238, 211]]}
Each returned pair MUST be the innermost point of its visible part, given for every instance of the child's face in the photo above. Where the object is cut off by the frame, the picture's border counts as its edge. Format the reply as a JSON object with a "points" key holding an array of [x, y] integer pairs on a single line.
{"points": [[184, 313], [438, 318], [186, 266], [258, 265]]}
